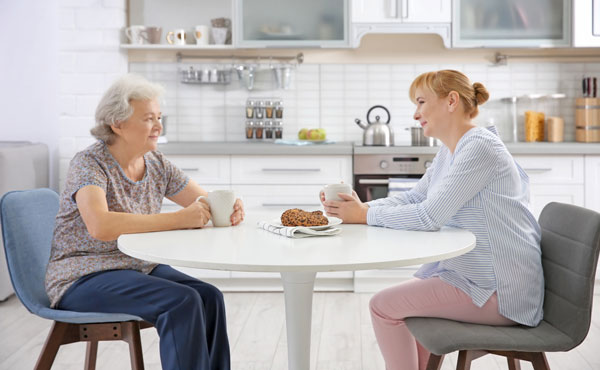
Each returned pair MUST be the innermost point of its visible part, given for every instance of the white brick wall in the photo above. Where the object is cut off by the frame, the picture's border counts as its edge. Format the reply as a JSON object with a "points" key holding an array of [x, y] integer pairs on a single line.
{"points": [[333, 95], [90, 59]]}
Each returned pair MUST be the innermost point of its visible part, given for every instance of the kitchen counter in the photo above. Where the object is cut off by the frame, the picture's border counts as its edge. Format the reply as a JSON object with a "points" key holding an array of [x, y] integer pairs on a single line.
{"points": [[349, 148], [250, 148]]}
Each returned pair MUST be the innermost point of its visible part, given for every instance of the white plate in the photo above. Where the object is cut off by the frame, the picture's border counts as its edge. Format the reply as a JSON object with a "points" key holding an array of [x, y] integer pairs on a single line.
{"points": [[333, 221]]}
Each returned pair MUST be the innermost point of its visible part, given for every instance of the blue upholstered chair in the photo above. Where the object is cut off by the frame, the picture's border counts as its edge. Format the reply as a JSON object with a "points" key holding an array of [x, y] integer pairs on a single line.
{"points": [[570, 245], [27, 226]]}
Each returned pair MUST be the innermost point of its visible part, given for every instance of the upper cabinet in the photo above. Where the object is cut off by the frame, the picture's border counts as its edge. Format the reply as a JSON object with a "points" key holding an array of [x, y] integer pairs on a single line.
{"points": [[292, 23], [511, 23], [401, 16], [586, 23], [401, 11]]}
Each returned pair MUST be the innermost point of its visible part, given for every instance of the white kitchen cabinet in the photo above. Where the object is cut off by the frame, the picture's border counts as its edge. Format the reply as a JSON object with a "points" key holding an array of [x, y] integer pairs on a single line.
{"points": [[586, 23], [278, 198], [511, 23], [553, 178], [204, 169], [592, 182], [401, 11], [401, 16]]}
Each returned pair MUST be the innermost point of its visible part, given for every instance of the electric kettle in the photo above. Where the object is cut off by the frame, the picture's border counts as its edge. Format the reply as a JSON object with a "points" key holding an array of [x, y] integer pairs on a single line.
{"points": [[377, 133]]}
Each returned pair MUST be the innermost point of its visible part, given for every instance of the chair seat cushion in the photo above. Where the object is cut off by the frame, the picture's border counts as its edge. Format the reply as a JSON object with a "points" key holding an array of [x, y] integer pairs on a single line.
{"points": [[442, 336], [84, 317]]}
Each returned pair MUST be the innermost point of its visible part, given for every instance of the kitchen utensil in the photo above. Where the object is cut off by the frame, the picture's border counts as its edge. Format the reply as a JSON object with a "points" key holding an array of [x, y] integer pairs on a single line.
{"points": [[246, 75], [418, 138], [377, 133], [283, 75], [555, 126]]}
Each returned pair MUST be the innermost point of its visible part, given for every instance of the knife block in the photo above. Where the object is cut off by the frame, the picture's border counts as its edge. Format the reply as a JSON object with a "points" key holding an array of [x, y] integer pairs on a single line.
{"points": [[587, 120]]}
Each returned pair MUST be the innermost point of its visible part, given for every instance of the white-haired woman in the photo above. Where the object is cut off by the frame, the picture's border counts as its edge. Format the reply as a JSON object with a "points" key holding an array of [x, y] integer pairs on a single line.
{"points": [[117, 186]]}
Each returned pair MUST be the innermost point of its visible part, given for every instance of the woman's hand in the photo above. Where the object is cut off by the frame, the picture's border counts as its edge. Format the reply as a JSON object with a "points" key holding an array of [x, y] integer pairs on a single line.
{"points": [[196, 214], [351, 210], [238, 212]]}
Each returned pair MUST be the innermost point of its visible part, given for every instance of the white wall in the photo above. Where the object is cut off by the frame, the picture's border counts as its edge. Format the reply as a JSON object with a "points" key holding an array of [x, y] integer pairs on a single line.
{"points": [[29, 75]]}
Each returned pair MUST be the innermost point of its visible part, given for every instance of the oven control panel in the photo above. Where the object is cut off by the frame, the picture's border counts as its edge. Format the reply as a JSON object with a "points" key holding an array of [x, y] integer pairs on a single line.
{"points": [[386, 164]]}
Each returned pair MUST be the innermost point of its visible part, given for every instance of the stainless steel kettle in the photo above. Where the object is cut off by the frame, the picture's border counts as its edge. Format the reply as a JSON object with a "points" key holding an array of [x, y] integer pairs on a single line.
{"points": [[377, 133]]}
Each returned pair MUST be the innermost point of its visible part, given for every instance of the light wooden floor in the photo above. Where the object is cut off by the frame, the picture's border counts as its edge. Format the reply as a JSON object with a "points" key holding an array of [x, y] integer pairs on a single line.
{"points": [[342, 338]]}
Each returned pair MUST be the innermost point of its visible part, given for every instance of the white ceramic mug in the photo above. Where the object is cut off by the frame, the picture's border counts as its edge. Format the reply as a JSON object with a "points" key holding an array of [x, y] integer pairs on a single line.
{"points": [[331, 191], [221, 206], [201, 34], [135, 34], [176, 37]]}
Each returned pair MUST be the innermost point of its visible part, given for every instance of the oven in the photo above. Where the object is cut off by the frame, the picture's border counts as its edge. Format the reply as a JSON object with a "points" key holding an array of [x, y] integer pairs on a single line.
{"points": [[377, 175]]}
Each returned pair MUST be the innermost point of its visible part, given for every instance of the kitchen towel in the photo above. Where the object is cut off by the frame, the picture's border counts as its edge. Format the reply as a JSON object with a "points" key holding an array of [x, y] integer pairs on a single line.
{"points": [[303, 142], [296, 231]]}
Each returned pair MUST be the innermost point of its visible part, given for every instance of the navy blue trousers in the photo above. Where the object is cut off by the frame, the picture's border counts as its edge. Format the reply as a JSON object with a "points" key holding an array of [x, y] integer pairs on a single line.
{"points": [[188, 314]]}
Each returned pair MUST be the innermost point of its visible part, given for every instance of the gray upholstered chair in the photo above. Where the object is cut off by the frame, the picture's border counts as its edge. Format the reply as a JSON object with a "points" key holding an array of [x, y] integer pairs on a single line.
{"points": [[27, 226], [570, 245]]}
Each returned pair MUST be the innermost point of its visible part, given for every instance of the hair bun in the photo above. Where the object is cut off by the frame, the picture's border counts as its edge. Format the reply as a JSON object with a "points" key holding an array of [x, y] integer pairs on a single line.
{"points": [[481, 93]]}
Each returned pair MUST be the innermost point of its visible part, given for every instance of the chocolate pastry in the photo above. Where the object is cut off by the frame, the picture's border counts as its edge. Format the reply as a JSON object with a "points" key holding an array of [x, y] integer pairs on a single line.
{"points": [[298, 217]]}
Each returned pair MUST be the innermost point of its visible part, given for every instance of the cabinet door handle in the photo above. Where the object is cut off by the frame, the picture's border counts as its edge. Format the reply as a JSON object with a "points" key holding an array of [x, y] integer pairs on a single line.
{"points": [[393, 8], [291, 205], [190, 169], [374, 181], [291, 170], [405, 9], [537, 170]]}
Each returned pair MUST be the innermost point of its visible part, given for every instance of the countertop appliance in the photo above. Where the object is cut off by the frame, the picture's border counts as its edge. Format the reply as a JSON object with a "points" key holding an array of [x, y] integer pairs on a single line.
{"points": [[377, 132], [376, 174], [23, 165]]}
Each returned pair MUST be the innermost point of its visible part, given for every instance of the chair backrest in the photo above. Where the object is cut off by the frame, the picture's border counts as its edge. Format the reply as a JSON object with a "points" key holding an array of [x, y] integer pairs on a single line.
{"points": [[570, 245], [27, 227]]}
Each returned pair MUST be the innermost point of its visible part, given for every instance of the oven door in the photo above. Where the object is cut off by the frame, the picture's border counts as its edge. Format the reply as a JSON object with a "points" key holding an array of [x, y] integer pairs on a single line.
{"points": [[371, 187]]}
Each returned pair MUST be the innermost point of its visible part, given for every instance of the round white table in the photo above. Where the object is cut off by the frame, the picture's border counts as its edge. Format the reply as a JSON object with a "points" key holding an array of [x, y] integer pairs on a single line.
{"points": [[248, 248]]}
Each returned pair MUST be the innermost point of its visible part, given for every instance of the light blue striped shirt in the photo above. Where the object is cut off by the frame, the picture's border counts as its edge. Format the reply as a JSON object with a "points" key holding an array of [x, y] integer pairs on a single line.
{"points": [[482, 189]]}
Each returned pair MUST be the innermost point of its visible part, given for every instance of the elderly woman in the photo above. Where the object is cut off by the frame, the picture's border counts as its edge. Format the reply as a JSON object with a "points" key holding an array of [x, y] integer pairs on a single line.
{"points": [[475, 184], [116, 186]]}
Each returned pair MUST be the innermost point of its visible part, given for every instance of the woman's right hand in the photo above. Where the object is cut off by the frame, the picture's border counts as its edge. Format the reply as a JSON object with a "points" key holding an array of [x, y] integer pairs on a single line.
{"points": [[196, 214]]}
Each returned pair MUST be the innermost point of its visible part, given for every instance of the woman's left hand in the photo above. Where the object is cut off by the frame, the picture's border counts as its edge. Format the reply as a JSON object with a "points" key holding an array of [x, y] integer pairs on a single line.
{"points": [[238, 212], [351, 210]]}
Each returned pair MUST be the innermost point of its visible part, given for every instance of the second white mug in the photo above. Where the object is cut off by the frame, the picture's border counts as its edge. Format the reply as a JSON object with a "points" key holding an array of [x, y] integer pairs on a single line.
{"points": [[221, 206], [176, 37]]}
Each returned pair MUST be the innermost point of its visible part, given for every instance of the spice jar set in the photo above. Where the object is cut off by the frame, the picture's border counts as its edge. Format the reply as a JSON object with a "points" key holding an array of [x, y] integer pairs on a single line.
{"points": [[264, 119]]}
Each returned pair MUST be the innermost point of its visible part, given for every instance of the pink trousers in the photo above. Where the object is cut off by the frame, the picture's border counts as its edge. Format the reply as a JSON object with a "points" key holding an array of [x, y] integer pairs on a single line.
{"points": [[423, 298]]}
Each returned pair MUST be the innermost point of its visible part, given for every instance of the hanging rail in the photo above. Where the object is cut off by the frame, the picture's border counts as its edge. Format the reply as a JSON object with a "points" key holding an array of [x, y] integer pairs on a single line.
{"points": [[299, 58], [502, 59]]}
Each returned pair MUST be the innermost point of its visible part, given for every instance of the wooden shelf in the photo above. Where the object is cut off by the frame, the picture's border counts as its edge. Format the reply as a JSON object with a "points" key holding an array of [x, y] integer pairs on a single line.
{"points": [[175, 47]]}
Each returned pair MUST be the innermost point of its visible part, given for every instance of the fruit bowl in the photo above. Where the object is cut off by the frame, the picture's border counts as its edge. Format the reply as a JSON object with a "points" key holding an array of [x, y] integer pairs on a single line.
{"points": [[313, 134]]}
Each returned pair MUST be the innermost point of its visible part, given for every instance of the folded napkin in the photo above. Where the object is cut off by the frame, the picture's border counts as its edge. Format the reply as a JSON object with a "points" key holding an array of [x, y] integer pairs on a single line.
{"points": [[296, 231]]}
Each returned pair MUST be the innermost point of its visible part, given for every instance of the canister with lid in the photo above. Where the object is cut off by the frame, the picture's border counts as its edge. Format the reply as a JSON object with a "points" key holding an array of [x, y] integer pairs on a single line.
{"points": [[250, 107], [259, 110], [278, 129], [269, 129], [278, 109], [249, 129], [259, 127]]}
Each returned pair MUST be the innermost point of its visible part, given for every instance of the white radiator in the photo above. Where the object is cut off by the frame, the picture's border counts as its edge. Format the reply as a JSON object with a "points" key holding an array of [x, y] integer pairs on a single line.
{"points": [[23, 166]]}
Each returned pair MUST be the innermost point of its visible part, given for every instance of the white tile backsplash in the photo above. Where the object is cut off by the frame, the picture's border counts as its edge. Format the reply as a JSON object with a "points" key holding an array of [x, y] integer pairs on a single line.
{"points": [[333, 95]]}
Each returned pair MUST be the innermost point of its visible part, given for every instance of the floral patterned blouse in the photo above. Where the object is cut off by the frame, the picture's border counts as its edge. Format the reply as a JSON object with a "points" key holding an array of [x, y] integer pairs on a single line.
{"points": [[75, 253]]}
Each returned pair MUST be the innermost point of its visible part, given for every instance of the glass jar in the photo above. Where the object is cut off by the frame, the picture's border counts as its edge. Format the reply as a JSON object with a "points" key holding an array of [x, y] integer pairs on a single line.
{"points": [[259, 111], [269, 109], [250, 107], [259, 129], [268, 129], [249, 129], [279, 109], [278, 129]]}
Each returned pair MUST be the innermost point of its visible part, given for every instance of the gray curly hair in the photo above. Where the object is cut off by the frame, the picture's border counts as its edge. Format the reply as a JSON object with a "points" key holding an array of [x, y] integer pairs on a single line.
{"points": [[115, 107]]}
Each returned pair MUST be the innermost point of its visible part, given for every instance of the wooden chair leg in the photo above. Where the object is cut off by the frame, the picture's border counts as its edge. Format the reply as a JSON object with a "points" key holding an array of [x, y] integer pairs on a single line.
{"points": [[513, 363], [131, 334], [539, 361], [53, 341], [91, 354], [434, 362]]}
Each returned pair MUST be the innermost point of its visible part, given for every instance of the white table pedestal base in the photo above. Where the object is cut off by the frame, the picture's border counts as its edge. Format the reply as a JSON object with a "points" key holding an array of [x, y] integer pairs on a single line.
{"points": [[298, 290]]}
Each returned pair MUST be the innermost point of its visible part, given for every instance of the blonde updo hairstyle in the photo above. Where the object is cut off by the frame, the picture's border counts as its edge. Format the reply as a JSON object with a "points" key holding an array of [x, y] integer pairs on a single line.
{"points": [[115, 108], [443, 82]]}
